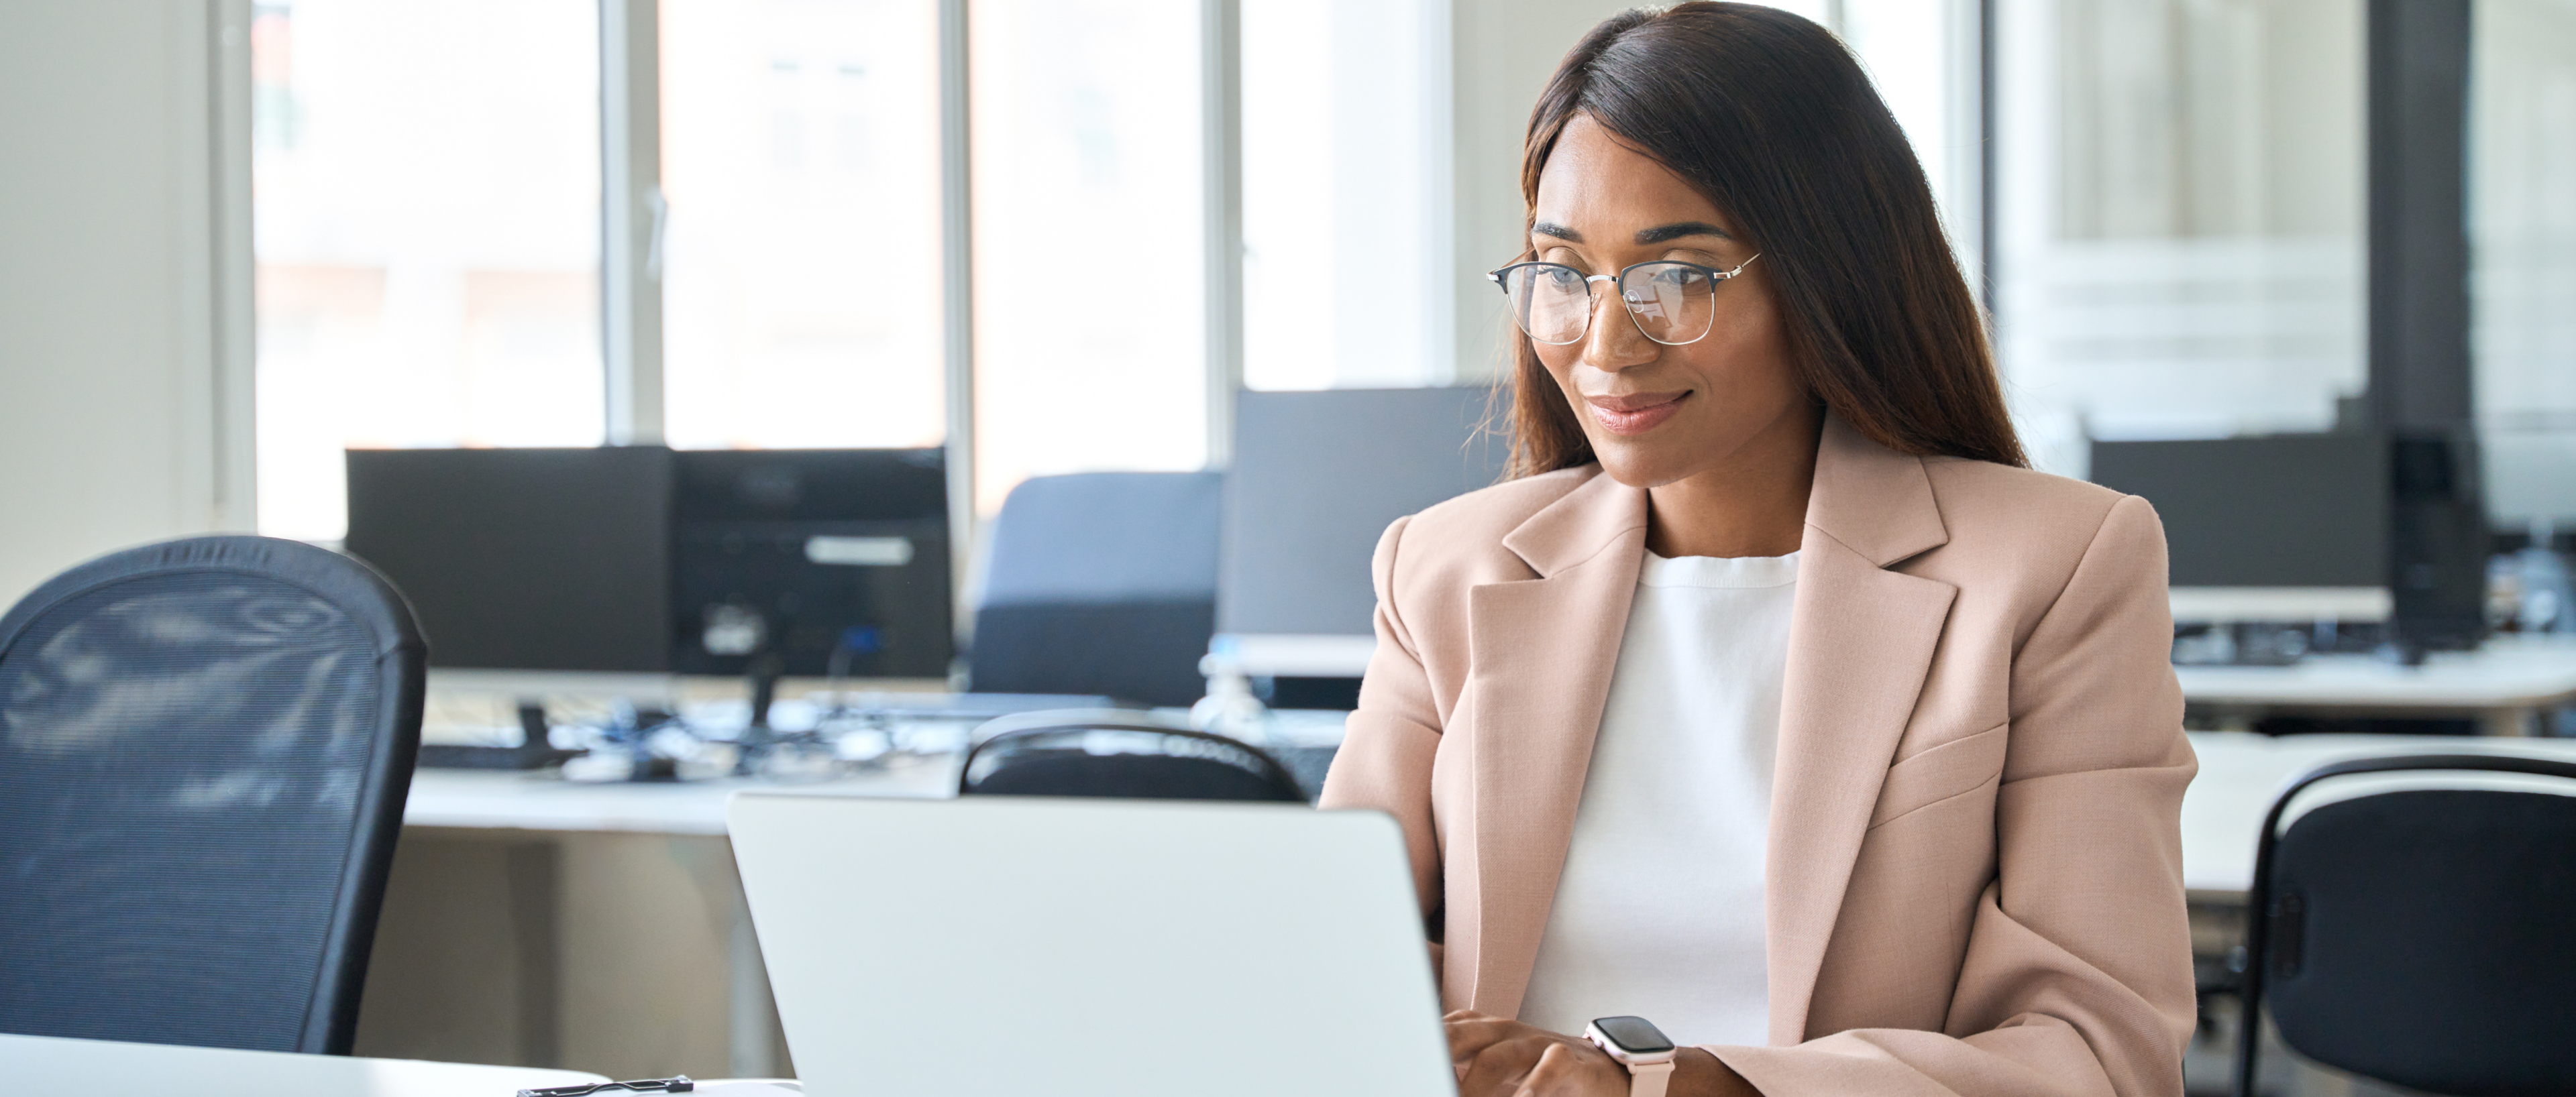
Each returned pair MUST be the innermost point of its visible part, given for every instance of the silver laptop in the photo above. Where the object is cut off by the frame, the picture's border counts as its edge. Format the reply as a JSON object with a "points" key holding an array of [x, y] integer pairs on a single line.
{"points": [[1006, 945]]}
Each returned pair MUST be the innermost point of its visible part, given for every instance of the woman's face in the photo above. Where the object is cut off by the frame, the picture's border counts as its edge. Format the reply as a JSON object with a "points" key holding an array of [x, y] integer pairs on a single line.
{"points": [[1657, 414]]}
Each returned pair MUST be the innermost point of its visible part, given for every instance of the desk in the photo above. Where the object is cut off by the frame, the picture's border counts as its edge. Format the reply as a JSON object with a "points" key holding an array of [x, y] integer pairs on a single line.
{"points": [[2504, 685], [531, 919], [456, 799], [2239, 775], [45, 1065], [2222, 812], [576, 920]]}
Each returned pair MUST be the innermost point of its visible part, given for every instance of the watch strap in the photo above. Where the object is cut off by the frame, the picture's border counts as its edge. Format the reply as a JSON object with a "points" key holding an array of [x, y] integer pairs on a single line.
{"points": [[1644, 1079], [1648, 1079]]}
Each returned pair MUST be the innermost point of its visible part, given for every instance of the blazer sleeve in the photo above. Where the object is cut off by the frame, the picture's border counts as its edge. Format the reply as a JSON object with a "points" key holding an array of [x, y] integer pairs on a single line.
{"points": [[1387, 747], [2077, 978]]}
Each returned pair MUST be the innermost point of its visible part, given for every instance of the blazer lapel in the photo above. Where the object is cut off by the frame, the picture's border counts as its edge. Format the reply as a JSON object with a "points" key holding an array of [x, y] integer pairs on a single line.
{"points": [[1861, 640], [1542, 652]]}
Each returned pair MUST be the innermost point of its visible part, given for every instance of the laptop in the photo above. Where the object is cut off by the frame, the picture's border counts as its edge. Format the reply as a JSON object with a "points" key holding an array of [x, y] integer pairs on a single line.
{"points": [[1009, 945]]}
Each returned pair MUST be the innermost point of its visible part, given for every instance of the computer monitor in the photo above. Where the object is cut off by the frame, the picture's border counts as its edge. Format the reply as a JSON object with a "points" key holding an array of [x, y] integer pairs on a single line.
{"points": [[523, 559], [2289, 527], [642, 559], [799, 553], [1316, 479]]}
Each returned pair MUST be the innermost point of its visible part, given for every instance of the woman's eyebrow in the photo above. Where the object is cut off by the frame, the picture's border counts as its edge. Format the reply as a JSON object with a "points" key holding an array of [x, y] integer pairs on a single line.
{"points": [[1551, 228], [1679, 229]]}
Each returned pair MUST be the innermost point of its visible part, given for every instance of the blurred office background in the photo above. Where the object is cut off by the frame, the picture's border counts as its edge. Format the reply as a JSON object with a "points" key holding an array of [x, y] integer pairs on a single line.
{"points": [[334, 224], [2301, 271], [826, 225]]}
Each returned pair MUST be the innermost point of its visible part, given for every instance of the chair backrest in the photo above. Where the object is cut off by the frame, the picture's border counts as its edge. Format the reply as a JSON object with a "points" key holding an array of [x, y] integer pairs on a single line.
{"points": [[2422, 937], [1123, 758], [204, 749], [1101, 584]]}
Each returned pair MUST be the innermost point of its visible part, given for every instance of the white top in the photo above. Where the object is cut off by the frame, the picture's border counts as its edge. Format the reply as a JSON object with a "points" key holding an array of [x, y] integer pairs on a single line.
{"points": [[1659, 911]]}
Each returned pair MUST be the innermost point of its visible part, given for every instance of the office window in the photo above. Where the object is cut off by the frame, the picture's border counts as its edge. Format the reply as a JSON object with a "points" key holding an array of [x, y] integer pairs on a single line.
{"points": [[801, 284], [1090, 308], [1346, 194], [2179, 218], [426, 210], [1923, 55], [2522, 247]]}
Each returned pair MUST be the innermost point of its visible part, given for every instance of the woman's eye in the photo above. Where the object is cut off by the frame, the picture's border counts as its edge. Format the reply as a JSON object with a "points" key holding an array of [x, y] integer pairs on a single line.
{"points": [[1564, 276]]}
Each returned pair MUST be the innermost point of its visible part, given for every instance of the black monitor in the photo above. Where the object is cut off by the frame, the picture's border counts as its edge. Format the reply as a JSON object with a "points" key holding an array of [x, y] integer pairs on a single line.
{"points": [[800, 553], [2279, 527], [523, 559], [643, 559]]}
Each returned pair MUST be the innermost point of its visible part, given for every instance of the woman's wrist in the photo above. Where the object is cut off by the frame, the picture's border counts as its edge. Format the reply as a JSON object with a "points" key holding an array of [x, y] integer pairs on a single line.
{"points": [[1696, 1073]]}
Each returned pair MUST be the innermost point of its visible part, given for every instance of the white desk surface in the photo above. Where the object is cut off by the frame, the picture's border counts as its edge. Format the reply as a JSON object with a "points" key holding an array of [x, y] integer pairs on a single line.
{"points": [[488, 800], [2223, 810], [2508, 672], [2239, 774], [46, 1065]]}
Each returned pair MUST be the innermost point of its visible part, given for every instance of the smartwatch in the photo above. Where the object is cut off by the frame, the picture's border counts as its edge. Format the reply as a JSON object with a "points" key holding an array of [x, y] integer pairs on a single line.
{"points": [[1639, 1046]]}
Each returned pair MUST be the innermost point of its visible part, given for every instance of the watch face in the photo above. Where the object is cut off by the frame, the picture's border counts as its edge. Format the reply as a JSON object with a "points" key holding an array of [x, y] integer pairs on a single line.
{"points": [[1634, 1035]]}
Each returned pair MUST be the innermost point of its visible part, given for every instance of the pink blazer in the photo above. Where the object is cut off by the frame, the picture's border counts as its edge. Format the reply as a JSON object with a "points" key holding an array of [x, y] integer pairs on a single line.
{"points": [[1974, 882]]}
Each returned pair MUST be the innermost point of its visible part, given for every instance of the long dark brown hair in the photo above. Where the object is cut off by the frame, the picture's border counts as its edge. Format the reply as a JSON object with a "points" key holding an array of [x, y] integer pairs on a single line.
{"points": [[1770, 118]]}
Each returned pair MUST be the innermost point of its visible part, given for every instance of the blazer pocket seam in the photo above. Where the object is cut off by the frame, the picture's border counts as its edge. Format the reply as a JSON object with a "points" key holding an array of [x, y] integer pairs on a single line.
{"points": [[1979, 786], [1922, 755], [1945, 744]]}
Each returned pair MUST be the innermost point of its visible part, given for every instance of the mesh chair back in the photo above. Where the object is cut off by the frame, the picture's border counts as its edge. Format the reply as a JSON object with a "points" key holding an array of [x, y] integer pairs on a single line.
{"points": [[2425, 938], [1101, 584], [1129, 762], [204, 749]]}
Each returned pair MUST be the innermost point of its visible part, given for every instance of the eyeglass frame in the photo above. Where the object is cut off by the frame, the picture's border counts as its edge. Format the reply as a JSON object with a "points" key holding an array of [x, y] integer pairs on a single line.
{"points": [[1715, 275]]}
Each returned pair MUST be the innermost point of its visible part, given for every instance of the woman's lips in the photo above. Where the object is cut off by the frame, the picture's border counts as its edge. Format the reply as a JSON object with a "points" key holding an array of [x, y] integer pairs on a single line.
{"points": [[1637, 413]]}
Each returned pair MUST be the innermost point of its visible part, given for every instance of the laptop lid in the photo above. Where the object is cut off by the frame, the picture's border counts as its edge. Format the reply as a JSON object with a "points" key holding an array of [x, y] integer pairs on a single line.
{"points": [[1007, 945]]}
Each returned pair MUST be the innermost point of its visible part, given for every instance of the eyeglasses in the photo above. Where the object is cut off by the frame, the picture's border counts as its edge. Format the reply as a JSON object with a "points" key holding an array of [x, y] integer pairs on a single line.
{"points": [[1670, 301]]}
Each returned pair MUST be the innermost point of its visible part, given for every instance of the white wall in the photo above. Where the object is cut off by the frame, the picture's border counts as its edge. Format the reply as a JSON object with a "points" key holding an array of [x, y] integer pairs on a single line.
{"points": [[124, 276]]}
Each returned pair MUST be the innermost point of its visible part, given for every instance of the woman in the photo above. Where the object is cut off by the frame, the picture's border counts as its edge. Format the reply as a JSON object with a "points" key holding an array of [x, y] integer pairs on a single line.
{"points": [[1774, 700]]}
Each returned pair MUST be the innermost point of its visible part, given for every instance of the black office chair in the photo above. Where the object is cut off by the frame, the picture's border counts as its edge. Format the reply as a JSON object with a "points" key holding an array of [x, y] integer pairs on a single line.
{"points": [[1109, 755], [1101, 584], [2424, 938], [204, 749]]}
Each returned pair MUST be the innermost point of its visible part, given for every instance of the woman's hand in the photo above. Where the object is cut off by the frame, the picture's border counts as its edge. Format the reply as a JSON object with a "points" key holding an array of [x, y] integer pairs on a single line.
{"points": [[1500, 1057]]}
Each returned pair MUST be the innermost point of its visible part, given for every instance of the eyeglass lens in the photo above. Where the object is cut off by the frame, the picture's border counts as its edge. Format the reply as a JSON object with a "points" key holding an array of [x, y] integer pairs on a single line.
{"points": [[1672, 303]]}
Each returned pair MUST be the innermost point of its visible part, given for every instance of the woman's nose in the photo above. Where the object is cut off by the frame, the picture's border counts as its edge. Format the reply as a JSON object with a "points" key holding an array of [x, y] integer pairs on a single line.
{"points": [[1614, 343]]}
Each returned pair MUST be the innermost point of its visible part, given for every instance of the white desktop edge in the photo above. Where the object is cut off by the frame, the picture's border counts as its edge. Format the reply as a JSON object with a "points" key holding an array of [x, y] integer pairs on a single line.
{"points": [[1297, 656], [640, 685], [2208, 605], [634, 685], [52, 1064]]}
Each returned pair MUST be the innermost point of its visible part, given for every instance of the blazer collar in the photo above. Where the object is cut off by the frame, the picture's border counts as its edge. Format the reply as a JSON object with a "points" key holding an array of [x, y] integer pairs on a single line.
{"points": [[1874, 500], [1542, 652], [1598, 513]]}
